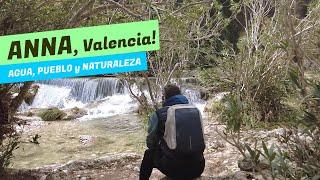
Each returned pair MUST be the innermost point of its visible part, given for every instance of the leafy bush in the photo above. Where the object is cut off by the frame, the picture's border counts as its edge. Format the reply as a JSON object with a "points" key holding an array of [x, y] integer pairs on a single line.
{"points": [[269, 70], [301, 153], [298, 157], [302, 145], [6, 152], [52, 114]]}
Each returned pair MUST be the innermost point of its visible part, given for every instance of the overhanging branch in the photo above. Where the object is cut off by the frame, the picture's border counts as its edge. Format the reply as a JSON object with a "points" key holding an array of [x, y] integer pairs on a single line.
{"points": [[126, 10]]}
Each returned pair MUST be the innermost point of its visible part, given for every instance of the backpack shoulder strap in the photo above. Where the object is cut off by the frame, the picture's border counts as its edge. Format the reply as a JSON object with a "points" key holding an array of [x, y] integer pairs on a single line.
{"points": [[162, 117]]}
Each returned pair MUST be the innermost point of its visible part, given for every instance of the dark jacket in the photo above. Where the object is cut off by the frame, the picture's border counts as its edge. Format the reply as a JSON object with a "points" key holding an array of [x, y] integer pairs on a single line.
{"points": [[170, 162], [155, 133]]}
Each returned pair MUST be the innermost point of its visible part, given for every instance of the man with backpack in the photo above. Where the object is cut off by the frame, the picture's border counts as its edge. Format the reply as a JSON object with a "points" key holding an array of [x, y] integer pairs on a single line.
{"points": [[175, 139]]}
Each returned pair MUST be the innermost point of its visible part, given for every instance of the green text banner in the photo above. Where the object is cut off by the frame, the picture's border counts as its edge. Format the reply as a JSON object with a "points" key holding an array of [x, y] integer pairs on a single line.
{"points": [[80, 42]]}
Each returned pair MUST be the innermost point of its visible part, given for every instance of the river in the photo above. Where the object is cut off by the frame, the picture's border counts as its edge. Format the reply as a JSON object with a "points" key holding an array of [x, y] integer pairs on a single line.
{"points": [[110, 126]]}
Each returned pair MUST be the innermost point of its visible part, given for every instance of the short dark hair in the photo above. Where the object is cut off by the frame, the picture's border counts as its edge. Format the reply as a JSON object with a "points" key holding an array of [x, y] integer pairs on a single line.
{"points": [[171, 90]]}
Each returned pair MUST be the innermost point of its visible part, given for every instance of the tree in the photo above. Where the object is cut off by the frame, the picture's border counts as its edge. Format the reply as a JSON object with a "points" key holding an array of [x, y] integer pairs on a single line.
{"points": [[185, 27], [25, 16]]}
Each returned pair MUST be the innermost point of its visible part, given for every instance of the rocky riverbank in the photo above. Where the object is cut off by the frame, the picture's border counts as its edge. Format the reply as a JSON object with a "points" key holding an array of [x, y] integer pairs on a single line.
{"points": [[221, 161]]}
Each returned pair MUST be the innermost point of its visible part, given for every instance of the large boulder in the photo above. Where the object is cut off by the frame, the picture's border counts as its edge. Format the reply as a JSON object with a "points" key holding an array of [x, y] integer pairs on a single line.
{"points": [[204, 94]]}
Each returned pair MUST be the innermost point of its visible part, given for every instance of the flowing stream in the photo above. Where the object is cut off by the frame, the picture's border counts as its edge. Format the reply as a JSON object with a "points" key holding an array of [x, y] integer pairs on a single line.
{"points": [[110, 126]]}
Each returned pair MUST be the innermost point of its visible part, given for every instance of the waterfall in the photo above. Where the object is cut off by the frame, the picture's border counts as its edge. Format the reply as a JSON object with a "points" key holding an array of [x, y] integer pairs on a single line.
{"points": [[79, 92], [194, 97], [101, 97], [53, 96], [86, 89]]}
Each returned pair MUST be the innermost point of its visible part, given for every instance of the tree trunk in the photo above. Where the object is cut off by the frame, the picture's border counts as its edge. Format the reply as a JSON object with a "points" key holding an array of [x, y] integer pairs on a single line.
{"points": [[154, 103], [8, 108], [5, 118], [16, 102]]}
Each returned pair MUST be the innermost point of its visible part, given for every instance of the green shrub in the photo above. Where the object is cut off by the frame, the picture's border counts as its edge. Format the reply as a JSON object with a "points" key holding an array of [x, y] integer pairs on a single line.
{"points": [[6, 152], [52, 114], [298, 157]]}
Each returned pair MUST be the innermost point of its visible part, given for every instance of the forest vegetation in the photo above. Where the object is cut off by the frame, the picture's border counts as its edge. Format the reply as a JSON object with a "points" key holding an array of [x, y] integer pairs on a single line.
{"points": [[264, 53]]}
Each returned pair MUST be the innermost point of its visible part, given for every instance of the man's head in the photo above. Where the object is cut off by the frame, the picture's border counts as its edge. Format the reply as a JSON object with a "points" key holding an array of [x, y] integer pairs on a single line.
{"points": [[171, 90]]}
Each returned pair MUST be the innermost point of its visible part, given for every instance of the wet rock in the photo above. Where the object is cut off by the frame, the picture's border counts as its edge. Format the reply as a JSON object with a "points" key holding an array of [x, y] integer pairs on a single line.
{"points": [[246, 165], [75, 113], [204, 94], [29, 114]]}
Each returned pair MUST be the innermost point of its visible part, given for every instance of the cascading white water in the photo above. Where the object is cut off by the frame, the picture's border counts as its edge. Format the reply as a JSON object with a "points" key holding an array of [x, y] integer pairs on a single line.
{"points": [[101, 97], [86, 89], [194, 97], [54, 96], [110, 106]]}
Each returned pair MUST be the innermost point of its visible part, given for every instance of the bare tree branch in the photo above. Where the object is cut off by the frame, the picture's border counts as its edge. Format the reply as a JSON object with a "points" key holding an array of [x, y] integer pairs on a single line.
{"points": [[191, 4], [126, 10], [150, 91], [80, 12]]}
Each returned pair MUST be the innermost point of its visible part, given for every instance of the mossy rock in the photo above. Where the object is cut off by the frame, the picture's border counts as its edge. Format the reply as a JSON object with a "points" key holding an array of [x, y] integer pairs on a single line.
{"points": [[29, 114], [74, 113], [52, 114]]}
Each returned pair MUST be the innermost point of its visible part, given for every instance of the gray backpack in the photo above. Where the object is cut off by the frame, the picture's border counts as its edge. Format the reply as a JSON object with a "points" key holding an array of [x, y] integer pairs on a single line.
{"points": [[184, 129]]}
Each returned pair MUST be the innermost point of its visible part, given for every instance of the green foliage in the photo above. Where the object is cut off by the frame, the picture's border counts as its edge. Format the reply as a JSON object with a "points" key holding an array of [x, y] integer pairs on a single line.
{"points": [[254, 155], [215, 78], [267, 81], [252, 53], [146, 117], [52, 114], [232, 113], [298, 157], [6, 152], [303, 145], [269, 154]]}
